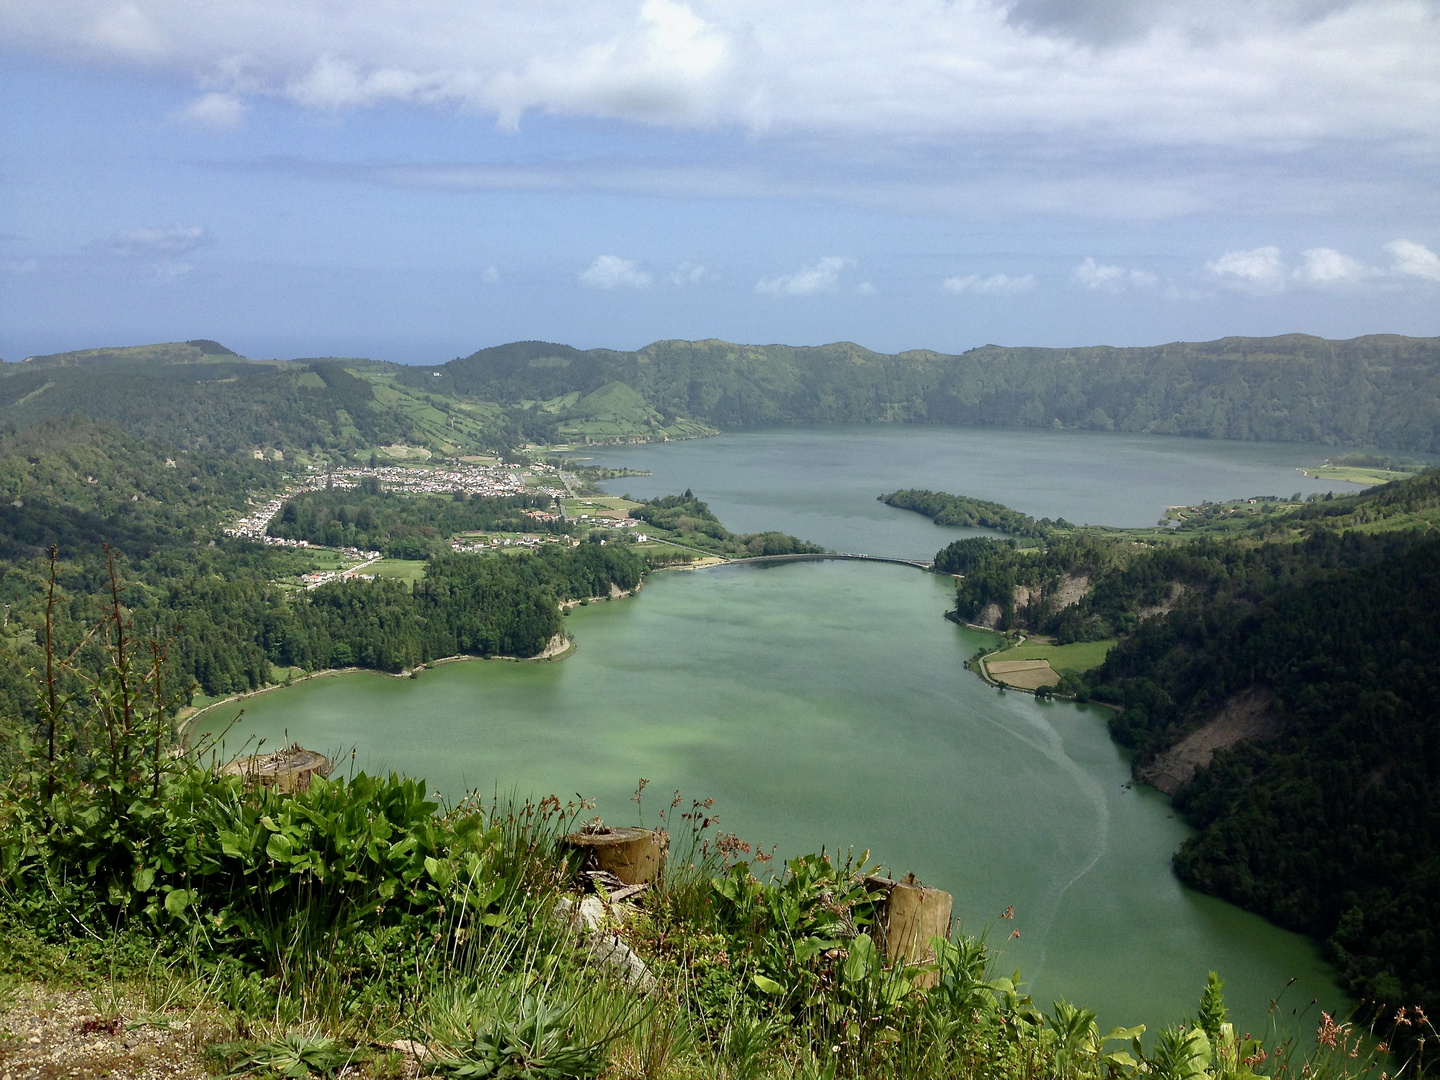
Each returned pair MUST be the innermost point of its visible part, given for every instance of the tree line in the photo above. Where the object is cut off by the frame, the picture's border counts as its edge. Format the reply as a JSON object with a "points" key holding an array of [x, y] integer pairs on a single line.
{"points": [[1332, 610], [401, 525]]}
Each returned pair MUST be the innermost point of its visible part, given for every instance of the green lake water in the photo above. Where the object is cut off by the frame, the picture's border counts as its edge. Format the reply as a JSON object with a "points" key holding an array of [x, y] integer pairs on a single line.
{"points": [[826, 704], [820, 483]]}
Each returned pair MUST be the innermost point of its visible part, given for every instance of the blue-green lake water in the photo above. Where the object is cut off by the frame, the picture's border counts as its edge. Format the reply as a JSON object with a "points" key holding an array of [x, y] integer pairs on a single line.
{"points": [[826, 704]]}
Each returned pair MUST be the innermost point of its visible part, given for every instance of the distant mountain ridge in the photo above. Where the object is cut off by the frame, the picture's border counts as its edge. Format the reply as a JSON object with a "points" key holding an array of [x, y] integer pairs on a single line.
{"points": [[1380, 391], [197, 351]]}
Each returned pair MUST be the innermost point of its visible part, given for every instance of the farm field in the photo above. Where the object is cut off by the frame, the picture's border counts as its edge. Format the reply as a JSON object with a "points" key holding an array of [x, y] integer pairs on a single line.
{"points": [[1022, 674], [1355, 474], [410, 570], [1080, 656], [598, 506]]}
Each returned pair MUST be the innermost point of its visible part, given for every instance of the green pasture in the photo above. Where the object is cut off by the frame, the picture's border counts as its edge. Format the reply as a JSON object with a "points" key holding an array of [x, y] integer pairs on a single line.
{"points": [[411, 570], [1081, 656], [1355, 474]]}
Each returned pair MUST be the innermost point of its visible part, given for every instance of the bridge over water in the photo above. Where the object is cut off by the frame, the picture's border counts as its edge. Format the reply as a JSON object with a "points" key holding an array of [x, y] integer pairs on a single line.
{"points": [[833, 555]]}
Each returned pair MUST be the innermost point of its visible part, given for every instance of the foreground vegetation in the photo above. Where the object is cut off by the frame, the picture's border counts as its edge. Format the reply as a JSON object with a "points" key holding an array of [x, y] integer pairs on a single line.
{"points": [[1300, 643], [359, 925]]}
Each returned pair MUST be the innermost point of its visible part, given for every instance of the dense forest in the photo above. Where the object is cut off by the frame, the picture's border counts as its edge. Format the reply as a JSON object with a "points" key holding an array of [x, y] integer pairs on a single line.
{"points": [[961, 511], [402, 525], [1327, 615], [1379, 391], [201, 396], [103, 497], [1333, 828]]}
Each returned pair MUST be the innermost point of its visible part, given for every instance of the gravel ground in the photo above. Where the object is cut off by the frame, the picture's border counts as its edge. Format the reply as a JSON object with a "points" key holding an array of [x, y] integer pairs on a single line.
{"points": [[50, 1035]]}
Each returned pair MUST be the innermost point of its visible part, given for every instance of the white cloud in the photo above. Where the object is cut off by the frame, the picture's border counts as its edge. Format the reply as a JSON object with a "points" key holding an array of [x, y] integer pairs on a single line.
{"points": [[1327, 268], [689, 273], [613, 272], [995, 285], [172, 270], [1259, 270], [124, 30], [491, 276], [217, 111], [1113, 279], [1415, 260], [1263, 270], [1230, 72], [865, 288], [820, 277], [151, 241]]}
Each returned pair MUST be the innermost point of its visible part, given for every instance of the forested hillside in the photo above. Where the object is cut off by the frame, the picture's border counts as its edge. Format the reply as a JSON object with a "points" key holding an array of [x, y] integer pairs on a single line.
{"points": [[1304, 643], [1381, 390], [183, 397], [1332, 828], [230, 610]]}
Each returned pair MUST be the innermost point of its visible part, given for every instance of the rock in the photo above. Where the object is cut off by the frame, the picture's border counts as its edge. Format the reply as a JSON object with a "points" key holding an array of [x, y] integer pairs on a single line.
{"points": [[591, 918], [411, 1048]]}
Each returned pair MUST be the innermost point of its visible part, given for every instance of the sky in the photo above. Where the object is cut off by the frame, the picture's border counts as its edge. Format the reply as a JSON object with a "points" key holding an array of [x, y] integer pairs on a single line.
{"points": [[412, 180]]}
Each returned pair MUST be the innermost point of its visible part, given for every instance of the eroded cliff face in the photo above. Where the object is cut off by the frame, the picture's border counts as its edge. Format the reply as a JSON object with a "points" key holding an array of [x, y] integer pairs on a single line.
{"points": [[1249, 714]]}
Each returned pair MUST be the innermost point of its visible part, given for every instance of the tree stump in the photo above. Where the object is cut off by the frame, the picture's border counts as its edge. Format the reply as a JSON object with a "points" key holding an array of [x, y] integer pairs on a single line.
{"points": [[635, 856], [910, 914], [288, 771]]}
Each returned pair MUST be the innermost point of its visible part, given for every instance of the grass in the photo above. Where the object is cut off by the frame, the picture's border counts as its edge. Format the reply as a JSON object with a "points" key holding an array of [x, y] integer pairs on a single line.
{"points": [[596, 505], [1081, 656], [1355, 474], [409, 570]]}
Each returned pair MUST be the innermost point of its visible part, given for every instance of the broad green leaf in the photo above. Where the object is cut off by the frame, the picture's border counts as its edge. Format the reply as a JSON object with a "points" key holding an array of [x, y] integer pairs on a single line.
{"points": [[767, 985], [144, 878], [177, 901], [279, 848], [862, 959], [808, 948]]}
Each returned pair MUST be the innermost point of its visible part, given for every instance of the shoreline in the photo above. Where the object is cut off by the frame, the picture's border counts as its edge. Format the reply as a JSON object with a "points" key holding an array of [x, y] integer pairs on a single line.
{"points": [[560, 647], [186, 721]]}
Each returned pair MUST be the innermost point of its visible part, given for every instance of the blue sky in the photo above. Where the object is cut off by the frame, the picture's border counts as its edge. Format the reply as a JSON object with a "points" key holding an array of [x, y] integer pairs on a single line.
{"points": [[415, 179]]}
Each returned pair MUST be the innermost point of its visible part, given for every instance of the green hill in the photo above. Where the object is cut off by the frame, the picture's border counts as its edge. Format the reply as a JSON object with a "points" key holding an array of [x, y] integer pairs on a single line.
{"points": [[1276, 671], [1377, 391], [199, 395], [1381, 390], [198, 351]]}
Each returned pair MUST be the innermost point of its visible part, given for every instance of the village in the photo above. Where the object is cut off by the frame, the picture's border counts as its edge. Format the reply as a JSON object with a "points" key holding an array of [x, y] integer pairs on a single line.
{"points": [[459, 478], [465, 478]]}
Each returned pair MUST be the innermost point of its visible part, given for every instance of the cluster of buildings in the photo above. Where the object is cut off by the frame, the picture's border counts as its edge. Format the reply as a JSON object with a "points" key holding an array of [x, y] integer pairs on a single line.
{"points": [[316, 578], [620, 523], [467, 479], [472, 545], [253, 525]]}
